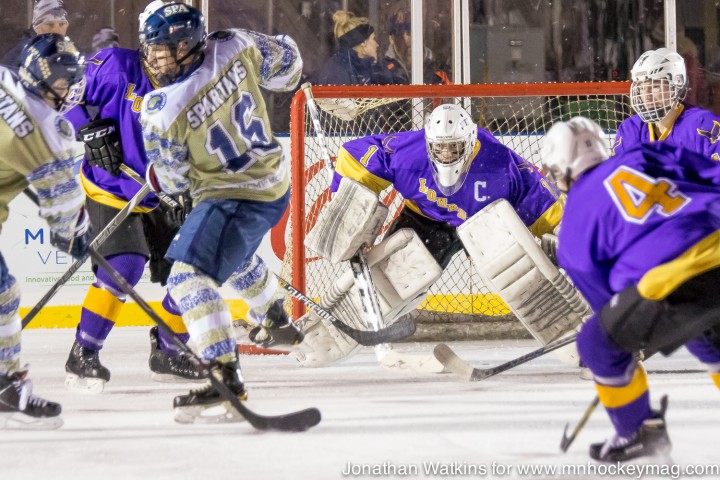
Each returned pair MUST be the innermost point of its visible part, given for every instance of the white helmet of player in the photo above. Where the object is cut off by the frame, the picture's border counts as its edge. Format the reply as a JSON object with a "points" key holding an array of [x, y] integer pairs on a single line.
{"points": [[151, 8], [570, 148], [450, 137], [659, 83]]}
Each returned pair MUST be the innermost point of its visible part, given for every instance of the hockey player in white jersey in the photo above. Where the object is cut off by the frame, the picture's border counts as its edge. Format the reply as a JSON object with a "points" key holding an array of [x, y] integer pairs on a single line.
{"points": [[36, 148], [206, 130]]}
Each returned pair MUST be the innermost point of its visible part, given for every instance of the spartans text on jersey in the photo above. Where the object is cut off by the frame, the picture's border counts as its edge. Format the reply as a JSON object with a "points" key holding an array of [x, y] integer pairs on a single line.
{"points": [[217, 95], [14, 115]]}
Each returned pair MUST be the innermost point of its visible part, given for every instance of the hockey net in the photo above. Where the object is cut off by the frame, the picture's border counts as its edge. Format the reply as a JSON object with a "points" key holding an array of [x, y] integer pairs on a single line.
{"points": [[518, 115]]}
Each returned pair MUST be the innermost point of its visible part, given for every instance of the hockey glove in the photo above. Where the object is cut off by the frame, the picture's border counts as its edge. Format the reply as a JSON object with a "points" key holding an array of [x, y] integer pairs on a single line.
{"points": [[102, 145], [78, 245], [152, 179], [174, 217]]}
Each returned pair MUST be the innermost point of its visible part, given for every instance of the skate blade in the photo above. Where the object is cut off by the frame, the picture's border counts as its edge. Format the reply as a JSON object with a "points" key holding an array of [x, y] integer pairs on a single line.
{"points": [[207, 415], [169, 378], [20, 421], [87, 386]]}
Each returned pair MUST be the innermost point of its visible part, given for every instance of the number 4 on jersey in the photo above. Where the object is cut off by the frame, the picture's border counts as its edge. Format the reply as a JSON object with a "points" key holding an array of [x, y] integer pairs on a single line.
{"points": [[637, 195]]}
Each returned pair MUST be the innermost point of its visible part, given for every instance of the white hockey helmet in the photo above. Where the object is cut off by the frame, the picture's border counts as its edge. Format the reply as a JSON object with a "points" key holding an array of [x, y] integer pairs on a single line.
{"points": [[151, 8], [450, 137], [659, 83], [570, 148]]}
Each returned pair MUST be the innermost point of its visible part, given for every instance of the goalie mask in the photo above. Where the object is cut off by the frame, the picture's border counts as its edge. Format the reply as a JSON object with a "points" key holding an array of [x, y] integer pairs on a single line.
{"points": [[172, 39], [571, 148], [53, 69], [659, 83], [450, 137]]}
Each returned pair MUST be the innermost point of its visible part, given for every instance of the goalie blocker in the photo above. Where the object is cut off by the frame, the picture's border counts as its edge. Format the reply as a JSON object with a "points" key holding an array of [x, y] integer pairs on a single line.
{"points": [[509, 259]]}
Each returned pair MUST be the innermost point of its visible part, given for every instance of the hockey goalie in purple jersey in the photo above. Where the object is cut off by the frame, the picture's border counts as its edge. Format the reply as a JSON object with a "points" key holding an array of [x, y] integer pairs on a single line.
{"points": [[640, 239], [659, 86], [447, 173]]}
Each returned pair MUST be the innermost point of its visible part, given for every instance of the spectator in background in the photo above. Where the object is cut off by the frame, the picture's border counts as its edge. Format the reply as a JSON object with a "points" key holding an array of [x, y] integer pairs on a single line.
{"points": [[400, 50], [356, 60], [106, 37], [49, 16]]}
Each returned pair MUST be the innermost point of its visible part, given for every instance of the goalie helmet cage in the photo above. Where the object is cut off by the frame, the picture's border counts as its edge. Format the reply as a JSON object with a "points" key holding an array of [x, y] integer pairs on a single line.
{"points": [[517, 114]]}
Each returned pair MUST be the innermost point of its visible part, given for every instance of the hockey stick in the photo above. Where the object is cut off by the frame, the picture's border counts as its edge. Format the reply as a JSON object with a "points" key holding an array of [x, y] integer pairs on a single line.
{"points": [[568, 440], [164, 197], [397, 331], [101, 237], [400, 330], [315, 117], [291, 422], [459, 367]]}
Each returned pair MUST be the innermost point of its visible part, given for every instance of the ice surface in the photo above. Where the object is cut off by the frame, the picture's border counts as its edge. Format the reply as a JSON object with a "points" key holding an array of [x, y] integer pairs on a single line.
{"points": [[370, 417]]}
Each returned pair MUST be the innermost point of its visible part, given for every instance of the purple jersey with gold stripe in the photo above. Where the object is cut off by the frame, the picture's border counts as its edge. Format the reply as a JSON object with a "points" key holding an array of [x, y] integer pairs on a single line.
{"points": [[116, 84], [693, 128], [649, 216], [401, 159]]}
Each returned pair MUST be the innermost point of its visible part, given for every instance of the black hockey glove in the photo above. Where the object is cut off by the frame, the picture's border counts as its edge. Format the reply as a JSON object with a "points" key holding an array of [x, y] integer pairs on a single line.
{"points": [[175, 217], [103, 148], [78, 245]]}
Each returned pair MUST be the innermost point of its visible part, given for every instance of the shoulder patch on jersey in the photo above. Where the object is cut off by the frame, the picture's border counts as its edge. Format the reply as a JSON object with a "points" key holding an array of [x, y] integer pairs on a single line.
{"points": [[156, 102], [64, 128], [388, 143], [221, 36], [713, 134]]}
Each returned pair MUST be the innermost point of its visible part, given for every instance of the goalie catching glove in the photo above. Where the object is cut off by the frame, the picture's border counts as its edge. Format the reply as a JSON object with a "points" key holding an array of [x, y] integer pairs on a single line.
{"points": [[103, 148]]}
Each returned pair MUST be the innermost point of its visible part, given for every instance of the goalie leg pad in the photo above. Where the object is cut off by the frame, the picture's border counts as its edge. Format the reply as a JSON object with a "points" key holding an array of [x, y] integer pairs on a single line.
{"points": [[402, 270], [509, 259], [352, 218]]}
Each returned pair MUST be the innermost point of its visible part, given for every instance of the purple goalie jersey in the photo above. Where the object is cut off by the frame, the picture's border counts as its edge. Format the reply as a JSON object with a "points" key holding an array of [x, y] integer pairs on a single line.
{"points": [[694, 128], [638, 210], [116, 84], [496, 172]]}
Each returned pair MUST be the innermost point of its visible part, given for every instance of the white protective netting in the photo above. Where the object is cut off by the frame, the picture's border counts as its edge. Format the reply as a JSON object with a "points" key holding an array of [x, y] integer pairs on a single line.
{"points": [[518, 115]]}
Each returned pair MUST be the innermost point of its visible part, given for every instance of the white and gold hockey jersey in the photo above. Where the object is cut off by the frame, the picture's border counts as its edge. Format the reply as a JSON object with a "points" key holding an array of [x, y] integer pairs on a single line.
{"points": [[210, 132], [37, 147]]}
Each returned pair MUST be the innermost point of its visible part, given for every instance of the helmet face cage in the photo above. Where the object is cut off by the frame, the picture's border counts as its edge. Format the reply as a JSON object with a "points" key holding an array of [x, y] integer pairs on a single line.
{"points": [[169, 36], [47, 59], [450, 137], [659, 83]]}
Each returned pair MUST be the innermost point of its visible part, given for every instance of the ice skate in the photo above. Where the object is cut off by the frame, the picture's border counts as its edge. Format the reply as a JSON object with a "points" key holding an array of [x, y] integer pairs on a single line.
{"points": [[168, 367], [85, 372], [20, 409], [277, 330], [206, 404]]}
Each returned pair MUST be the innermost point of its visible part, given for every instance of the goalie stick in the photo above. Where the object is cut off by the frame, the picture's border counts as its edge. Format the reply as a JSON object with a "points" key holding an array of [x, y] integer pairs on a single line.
{"points": [[459, 367], [291, 422], [400, 330]]}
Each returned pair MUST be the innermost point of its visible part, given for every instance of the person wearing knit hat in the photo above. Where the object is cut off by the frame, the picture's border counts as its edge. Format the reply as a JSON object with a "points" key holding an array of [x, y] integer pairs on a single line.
{"points": [[356, 61], [49, 16]]}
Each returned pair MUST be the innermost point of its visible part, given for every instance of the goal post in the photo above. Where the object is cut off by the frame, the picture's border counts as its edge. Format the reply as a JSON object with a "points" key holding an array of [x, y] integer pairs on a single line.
{"points": [[516, 114]]}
